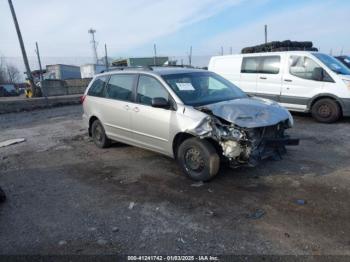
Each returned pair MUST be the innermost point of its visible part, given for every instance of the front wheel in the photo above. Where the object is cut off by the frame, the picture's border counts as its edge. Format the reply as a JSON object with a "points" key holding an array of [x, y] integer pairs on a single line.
{"points": [[198, 159], [99, 135], [326, 110]]}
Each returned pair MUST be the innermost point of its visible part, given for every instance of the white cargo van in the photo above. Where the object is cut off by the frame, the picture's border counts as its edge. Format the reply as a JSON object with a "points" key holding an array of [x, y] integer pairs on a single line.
{"points": [[300, 81]]}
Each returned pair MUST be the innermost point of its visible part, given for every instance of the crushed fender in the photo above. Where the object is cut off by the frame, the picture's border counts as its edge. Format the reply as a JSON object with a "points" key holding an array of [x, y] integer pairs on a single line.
{"points": [[244, 145]]}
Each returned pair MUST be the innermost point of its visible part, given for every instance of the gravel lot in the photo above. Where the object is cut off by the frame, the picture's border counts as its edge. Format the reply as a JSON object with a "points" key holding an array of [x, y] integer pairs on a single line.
{"points": [[65, 196]]}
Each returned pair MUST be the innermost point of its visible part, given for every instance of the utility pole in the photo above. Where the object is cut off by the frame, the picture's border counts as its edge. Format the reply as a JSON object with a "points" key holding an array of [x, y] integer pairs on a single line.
{"points": [[230, 50], [222, 50], [190, 57], [94, 44], [265, 34], [24, 54], [155, 54], [39, 61], [106, 57]]}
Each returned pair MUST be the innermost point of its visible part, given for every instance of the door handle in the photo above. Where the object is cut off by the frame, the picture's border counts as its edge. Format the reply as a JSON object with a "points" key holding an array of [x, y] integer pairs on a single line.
{"points": [[263, 77], [126, 107], [287, 80], [136, 109]]}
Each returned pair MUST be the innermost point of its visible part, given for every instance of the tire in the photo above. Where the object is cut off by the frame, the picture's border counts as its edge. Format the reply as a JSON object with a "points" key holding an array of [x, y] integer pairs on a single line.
{"points": [[326, 110], [198, 159], [2, 196], [99, 135]]}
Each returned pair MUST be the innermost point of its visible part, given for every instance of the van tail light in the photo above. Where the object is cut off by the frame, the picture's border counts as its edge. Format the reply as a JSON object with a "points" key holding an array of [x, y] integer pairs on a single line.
{"points": [[82, 98]]}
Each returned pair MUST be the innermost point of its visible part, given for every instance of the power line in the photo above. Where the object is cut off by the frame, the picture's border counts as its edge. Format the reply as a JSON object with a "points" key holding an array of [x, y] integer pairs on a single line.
{"points": [[94, 44], [24, 53], [39, 61], [155, 54], [106, 57]]}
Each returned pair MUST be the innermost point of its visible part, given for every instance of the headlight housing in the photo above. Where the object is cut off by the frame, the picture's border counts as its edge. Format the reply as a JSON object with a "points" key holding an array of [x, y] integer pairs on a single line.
{"points": [[347, 83]]}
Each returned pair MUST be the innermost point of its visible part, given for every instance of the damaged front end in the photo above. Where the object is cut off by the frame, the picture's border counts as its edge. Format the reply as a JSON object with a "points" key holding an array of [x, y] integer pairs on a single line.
{"points": [[243, 145]]}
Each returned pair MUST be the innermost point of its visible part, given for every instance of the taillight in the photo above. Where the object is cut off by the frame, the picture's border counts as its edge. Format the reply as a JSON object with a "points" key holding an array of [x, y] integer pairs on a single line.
{"points": [[82, 98]]}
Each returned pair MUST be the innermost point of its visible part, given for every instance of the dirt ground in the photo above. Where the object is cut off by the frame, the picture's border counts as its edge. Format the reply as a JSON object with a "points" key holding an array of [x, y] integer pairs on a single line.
{"points": [[65, 196]]}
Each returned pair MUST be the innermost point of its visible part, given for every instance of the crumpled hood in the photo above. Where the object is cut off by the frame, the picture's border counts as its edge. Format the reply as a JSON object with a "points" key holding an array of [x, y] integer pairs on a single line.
{"points": [[249, 112]]}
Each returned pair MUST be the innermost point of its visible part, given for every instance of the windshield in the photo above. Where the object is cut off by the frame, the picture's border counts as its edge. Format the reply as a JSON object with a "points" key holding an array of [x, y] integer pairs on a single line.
{"points": [[202, 88], [345, 60], [333, 64]]}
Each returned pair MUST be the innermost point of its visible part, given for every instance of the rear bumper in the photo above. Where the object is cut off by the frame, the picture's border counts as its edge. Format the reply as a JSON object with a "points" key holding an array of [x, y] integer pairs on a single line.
{"points": [[85, 121]]}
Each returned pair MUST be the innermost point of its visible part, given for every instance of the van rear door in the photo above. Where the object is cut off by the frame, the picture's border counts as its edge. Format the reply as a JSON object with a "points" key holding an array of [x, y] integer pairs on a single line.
{"points": [[269, 80], [228, 67]]}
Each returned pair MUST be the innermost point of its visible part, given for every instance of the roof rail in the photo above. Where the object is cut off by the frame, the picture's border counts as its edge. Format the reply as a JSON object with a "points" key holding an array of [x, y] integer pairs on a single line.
{"points": [[146, 68], [174, 66], [121, 68]]}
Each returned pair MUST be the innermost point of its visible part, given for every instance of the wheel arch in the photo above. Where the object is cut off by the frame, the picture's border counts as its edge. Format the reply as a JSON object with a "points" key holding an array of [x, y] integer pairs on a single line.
{"points": [[178, 139], [182, 136], [91, 120], [318, 97]]}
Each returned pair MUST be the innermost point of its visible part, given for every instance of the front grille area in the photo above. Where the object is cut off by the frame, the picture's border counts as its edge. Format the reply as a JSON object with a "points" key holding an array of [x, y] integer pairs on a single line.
{"points": [[275, 131]]}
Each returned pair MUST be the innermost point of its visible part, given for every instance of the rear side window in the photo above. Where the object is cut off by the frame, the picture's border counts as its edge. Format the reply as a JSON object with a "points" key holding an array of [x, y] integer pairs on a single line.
{"points": [[98, 87], [270, 65], [120, 87], [250, 65], [149, 88]]}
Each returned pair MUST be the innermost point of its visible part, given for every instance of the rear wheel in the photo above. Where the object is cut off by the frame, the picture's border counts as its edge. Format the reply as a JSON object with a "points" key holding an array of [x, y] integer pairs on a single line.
{"points": [[99, 135], [198, 159], [326, 110]]}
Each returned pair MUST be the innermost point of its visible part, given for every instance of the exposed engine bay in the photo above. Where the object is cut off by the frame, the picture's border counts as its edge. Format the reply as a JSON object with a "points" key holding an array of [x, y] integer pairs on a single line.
{"points": [[245, 145]]}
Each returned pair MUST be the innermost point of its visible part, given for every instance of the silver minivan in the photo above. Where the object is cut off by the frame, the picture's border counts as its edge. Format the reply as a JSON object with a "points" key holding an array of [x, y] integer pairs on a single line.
{"points": [[194, 116]]}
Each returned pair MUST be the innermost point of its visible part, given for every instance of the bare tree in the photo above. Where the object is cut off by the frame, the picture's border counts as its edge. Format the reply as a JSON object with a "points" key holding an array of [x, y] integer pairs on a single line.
{"points": [[13, 74], [3, 77], [8, 72]]}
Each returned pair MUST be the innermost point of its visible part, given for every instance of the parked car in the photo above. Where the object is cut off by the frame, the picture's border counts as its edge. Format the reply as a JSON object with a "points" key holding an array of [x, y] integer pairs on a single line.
{"points": [[300, 81], [345, 60], [192, 115], [8, 90]]}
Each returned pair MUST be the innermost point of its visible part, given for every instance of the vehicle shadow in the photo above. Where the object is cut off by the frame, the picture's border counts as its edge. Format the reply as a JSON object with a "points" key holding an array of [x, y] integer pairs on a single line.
{"points": [[117, 144], [308, 117]]}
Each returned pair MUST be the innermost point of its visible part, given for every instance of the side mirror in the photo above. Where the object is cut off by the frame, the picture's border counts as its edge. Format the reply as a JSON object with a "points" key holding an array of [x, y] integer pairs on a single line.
{"points": [[160, 102], [317, 74]]}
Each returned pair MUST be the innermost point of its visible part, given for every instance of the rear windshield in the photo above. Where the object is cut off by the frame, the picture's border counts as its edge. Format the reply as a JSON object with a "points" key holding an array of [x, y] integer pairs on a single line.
{"points": [[333, 64], [202, 88]]}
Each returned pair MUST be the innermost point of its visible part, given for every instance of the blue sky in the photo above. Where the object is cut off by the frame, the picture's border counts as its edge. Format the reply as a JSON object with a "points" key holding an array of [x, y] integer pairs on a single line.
{"points": [[130, 28]]}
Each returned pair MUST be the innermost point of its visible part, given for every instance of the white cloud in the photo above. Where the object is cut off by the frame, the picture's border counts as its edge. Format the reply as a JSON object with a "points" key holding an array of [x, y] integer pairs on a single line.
{"points": [[326, 24], [61, 27]]}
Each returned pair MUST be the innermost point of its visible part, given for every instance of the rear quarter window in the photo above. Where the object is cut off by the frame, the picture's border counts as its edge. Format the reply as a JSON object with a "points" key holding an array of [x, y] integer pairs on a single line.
{"points": [[98, 87]]}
